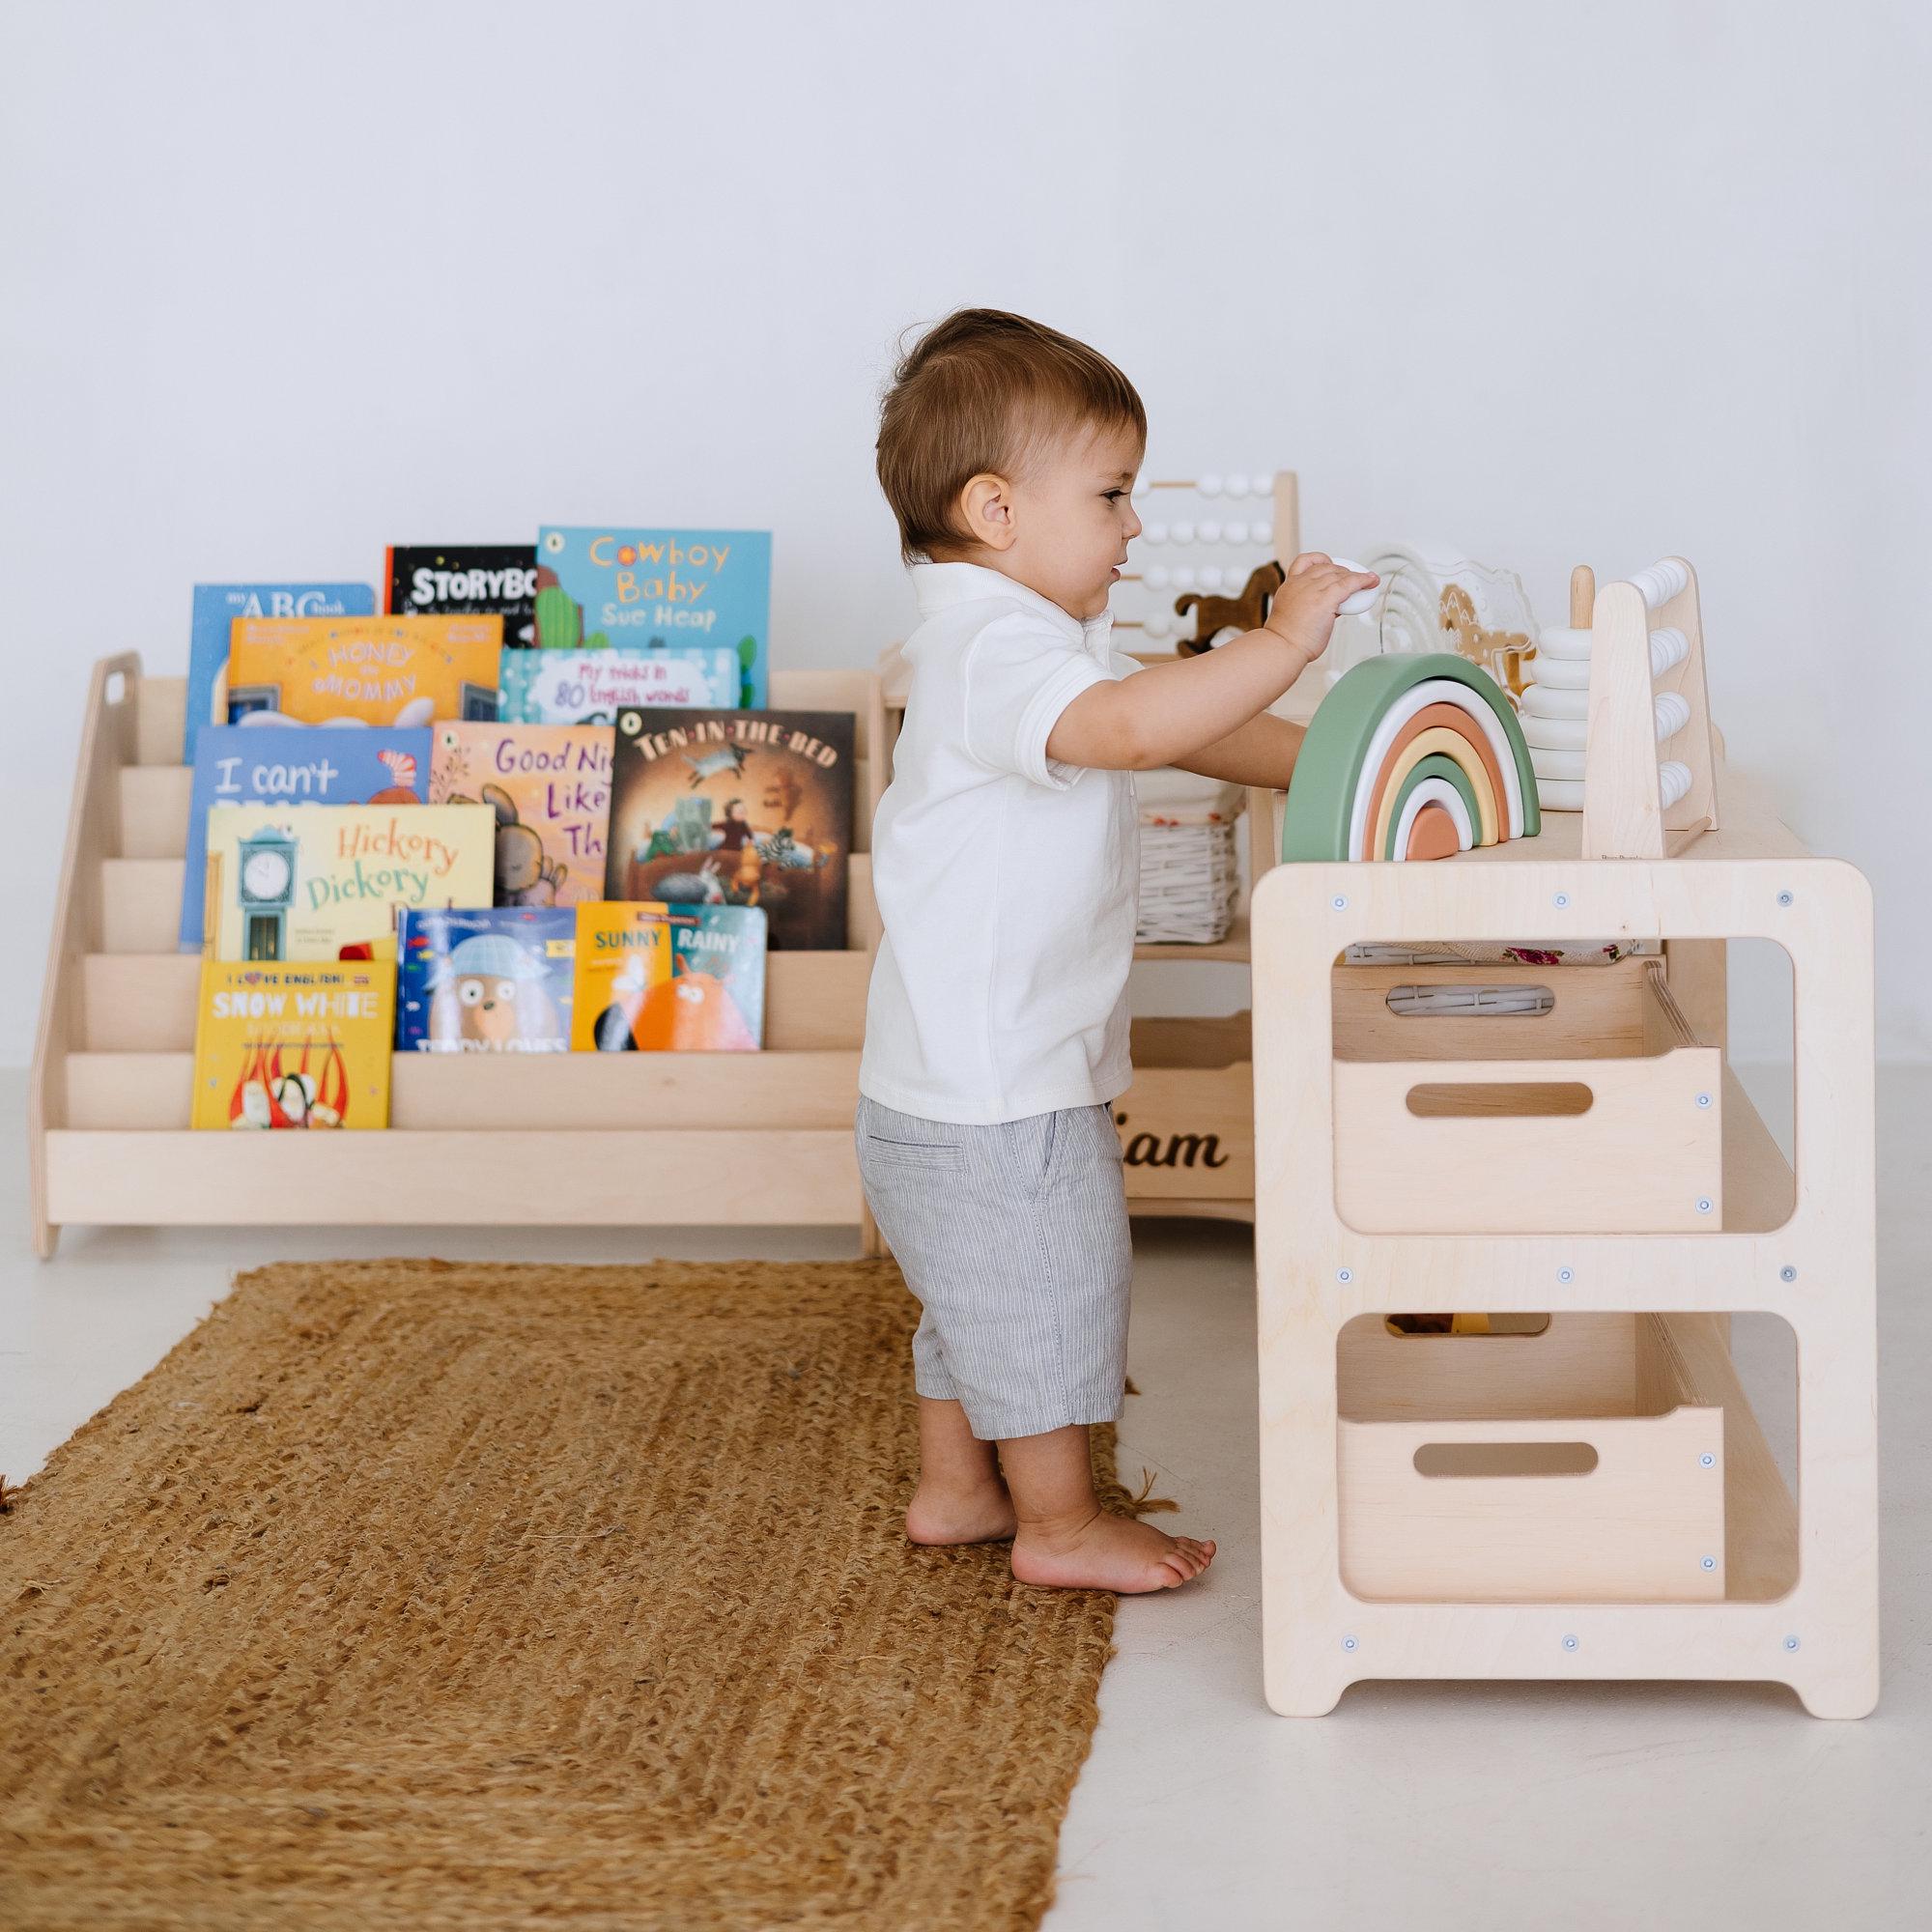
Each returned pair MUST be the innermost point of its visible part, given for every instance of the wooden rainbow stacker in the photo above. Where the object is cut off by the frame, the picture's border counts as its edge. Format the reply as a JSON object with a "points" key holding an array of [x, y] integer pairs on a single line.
{"points": [[1578, 1488]]}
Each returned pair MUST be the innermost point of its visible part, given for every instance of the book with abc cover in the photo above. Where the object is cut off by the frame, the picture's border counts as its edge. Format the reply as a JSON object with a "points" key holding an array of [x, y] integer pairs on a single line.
{"points": [[216, 606], [291, 764], [661, 978], [305, 881], [497, 980], [297, 1044], [378, 670], [549, 786], [468, 579], [739, 809], [647, 588]]}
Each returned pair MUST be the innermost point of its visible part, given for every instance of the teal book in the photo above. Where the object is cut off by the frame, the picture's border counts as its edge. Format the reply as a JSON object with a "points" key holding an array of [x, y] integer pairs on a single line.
{"points": [[655, 589]]}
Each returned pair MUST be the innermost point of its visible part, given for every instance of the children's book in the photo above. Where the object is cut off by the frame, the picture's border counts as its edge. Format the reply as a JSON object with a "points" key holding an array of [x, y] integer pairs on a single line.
{"points": [[291, 764], [375, 671], [636, 587], [304, 882], [663, 979], [736, 807], [554, 687], [450, 579], [297, 1044], [216, 606], [496, 981], [549, 786]]}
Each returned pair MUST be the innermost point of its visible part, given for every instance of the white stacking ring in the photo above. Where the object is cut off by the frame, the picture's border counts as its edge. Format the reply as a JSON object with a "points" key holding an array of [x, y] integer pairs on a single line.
{"points": [[1661, 582], [1674, 781], [1668, 646], [1554, 734], [1561, 640], [1556, 764], [1562, 674], [1559, 794], [1673, 713], [1542, 701], [1361, 601]]}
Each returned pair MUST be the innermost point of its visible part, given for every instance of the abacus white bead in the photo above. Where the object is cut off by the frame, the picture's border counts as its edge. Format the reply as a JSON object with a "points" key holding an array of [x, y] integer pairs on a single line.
{"points": [[1154, 534], [1155, 579], [1158, 625], [1237, 533], [1184, 578], [1211, 577], [1264, 534], [1237, 483], [1209, 532], [1209, 485], [1184, 533], [1264, 482], [1142, 489]]}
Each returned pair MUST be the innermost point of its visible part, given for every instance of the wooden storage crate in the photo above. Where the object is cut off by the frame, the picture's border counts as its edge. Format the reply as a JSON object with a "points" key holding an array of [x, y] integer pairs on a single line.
{"points": [[588, 1139]]}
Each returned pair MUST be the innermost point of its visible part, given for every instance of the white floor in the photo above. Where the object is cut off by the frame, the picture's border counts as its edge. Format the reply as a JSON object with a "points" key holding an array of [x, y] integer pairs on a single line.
{"points": [[1436, 1807]]}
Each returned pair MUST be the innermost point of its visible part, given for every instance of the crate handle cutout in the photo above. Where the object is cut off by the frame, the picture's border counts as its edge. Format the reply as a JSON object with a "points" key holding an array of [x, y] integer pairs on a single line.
{"points": [[1413, 1002], [1508, 1327], [1505, 1459], [1498, 1100]]}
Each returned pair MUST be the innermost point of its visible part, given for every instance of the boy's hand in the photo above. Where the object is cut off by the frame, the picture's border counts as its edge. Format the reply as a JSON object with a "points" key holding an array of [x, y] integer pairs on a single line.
{"points": [[1304, 608]]}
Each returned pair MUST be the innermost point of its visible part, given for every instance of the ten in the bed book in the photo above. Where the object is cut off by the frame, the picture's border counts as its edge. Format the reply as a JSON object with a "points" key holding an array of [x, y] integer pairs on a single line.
{"points": [[736, 807]]}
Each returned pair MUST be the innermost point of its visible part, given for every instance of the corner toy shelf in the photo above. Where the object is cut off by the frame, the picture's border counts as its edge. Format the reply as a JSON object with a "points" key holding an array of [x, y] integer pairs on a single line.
{"points": [[543, 1140], [1575, 1486]]}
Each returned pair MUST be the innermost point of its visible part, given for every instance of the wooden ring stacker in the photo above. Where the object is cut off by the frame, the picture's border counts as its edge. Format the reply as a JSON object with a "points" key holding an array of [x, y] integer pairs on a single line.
{"points": [[1427, 719]]}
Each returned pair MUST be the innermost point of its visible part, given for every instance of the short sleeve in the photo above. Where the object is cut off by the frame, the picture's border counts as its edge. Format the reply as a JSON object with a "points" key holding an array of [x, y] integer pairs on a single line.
{"points": [[1019, 677]]}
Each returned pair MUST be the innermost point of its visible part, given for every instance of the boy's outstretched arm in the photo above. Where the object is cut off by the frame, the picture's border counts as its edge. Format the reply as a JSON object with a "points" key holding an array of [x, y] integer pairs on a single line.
{"points": [[1259, 753], [1174, 714]]}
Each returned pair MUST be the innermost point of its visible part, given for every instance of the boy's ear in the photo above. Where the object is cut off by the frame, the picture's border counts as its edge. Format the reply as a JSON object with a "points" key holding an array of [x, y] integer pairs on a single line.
{"points": [[986, 512]]}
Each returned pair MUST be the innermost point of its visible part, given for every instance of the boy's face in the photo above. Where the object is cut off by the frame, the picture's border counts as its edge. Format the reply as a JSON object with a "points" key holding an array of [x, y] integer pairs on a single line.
{"points": [[1071, 517]]}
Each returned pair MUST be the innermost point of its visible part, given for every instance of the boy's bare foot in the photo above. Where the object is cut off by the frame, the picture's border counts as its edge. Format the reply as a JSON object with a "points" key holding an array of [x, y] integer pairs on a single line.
{"points": [[1107, 1552], [939, 1514]]}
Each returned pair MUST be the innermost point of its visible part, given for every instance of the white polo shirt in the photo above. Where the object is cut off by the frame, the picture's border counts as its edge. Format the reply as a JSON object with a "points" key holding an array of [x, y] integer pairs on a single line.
{"points": [[1007, 880]]}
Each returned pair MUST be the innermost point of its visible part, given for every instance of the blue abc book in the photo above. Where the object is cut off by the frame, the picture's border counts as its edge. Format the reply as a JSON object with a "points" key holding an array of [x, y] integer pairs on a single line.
{"points": [[646, 588], [495, 979], [216, 606], [294, 764]]}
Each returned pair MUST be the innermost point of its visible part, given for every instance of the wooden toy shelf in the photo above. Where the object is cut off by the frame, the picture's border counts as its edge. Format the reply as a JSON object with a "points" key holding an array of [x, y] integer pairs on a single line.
{"points": [[545, 1140], [1583, 1490]]}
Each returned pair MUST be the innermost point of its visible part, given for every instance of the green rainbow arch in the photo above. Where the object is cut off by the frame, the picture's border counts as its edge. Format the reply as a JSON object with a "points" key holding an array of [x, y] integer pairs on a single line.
{"points": [[1410, 756]]}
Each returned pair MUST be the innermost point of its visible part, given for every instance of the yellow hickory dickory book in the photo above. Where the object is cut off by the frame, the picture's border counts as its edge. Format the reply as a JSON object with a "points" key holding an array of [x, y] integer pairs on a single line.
{"points": [[303, 1045], [301, 882], [383, 671]]}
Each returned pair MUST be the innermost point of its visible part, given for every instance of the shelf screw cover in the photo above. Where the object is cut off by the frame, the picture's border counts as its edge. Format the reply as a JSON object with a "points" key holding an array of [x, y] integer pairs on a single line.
{"points": [[1703, 1203], [1562, 899], [1784, 899], [1565, 1275], [1339, 902], [1703, 1099], [1344, 1274], [1569, 1643], [1787, 1273], [1708, 1460], [1791, 1643], [1347, 1643], [1709, 1562]]}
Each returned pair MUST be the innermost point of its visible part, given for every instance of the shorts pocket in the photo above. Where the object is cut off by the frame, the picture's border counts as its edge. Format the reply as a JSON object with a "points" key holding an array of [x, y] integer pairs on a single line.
{"points": [[914, 1153]]}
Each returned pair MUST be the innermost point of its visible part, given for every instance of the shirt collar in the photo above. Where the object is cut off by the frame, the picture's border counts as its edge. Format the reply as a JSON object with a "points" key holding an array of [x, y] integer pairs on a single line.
{"points": [[939, 586]]}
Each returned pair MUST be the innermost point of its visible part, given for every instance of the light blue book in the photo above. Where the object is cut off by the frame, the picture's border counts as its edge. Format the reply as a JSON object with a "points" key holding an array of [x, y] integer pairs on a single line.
{"points": [[216, 606], [657, 589], [592, 687], [294, 764]]}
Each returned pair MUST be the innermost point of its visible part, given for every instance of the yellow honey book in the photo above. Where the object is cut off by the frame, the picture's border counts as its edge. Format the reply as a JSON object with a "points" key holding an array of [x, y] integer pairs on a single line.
{"points": [[383, 671], [303, 1045]]}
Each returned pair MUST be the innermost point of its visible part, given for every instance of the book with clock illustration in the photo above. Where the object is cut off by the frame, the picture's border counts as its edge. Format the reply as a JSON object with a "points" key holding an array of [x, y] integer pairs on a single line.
{"points": [[296, 1044], [305, 881]]}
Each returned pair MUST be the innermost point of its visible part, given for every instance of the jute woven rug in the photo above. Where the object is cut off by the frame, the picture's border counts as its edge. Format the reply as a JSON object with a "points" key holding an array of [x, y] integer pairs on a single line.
{"points": [[414, 1594]]}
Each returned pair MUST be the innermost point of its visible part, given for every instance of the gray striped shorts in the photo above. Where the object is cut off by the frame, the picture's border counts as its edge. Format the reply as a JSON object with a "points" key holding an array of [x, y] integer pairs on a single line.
{"points": [[1014, 1238]]}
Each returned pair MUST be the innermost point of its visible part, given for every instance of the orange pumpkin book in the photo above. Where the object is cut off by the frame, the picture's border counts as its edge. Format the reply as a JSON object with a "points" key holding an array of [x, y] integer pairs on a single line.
{"points": [[657, 978]]}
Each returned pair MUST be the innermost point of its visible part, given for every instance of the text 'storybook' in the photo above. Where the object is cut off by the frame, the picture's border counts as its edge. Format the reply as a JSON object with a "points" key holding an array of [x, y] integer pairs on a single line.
{"points": [[216, 606], [662, 978], [556, 687], [303, 1043], [378, 670], [638, 588], [550, 787], [498, 979], [736, 807], [451, 580], [304, 882], [293, 764]]}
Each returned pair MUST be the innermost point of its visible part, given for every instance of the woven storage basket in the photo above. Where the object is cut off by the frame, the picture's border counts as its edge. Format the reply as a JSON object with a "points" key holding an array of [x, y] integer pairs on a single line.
{"points": [[1189, 878]]}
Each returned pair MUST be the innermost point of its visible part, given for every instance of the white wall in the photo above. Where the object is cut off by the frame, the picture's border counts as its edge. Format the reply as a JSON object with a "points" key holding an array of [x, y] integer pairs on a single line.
{"points": [[279, 283]]}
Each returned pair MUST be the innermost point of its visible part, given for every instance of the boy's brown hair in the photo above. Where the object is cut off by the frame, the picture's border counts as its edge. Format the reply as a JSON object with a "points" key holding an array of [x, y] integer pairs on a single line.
{"points": [[975, 394]]}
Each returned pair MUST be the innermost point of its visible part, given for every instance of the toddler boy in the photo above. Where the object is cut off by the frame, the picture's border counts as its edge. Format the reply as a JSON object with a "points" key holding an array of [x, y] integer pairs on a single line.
{"points": [[1004, 858]]}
